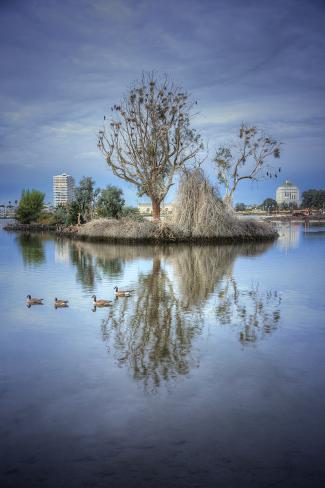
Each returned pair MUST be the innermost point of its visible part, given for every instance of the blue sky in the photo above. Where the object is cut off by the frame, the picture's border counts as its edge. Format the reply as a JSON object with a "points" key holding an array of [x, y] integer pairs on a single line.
{"points": [[65, 63]]}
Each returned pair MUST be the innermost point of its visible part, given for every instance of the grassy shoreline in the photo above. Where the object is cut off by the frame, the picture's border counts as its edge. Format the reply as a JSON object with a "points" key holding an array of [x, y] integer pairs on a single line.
{"points": [[119, 231]]}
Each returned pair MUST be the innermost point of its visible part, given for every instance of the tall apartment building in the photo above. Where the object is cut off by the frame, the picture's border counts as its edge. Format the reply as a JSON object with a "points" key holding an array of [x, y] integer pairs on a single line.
{"points": [[287, 193], [63, 189]]}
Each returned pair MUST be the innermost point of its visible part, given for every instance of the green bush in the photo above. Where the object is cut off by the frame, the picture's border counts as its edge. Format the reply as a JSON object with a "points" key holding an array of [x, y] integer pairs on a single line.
{"points": [[30, 206], [110, 202], [132, 213]]}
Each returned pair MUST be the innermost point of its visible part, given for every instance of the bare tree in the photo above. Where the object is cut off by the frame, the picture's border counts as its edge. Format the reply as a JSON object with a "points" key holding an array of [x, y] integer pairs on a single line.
{"points": [[246, 160], [150, 137]]}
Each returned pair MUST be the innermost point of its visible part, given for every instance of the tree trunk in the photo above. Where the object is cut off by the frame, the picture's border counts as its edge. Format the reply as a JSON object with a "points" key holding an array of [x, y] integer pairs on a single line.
{"points": [[227, 200], [155, 208]]}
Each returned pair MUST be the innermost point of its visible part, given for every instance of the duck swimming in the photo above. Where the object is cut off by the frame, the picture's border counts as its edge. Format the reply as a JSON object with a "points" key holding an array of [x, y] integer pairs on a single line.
{"points": [[125, 293], [60, 303], [101, 303], [34, 301]]}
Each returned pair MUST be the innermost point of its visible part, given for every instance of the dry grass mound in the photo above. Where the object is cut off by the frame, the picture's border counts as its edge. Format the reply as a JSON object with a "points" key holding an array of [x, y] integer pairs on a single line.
{"points": [[201, 214], [123, 230]]}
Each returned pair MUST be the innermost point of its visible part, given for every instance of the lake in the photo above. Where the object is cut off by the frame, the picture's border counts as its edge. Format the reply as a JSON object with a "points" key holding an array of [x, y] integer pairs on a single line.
{"points": [[212, 373]]}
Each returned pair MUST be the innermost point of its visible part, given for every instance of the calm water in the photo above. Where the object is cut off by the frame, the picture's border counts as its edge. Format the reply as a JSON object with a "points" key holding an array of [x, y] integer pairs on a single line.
{"points": [[211, 374]]}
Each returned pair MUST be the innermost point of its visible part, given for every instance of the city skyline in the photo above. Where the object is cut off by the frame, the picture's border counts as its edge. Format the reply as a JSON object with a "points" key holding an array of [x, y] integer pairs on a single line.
{"points": [[144, 200], [62, 68]]}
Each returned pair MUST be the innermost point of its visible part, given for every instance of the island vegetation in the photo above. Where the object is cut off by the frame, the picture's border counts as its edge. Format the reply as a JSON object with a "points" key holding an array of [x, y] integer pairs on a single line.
{"points": [[148, 141], [30, 206]]}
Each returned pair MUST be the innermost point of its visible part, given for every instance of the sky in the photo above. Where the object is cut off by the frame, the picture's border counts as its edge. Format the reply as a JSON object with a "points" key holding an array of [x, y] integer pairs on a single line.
{"points": [[65, 63]]}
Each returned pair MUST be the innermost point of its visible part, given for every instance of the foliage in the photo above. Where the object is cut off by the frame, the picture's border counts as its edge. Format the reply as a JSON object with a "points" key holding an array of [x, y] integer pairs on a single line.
{"points": [[246, 160], [32, 249], [288, 206], [73, 213], [48, 218], [30, 206], [110, 202], [240, 207], [67, 214], [60, 215], [150, 137], [132, 213], [313, 199], [269, 204], [85, 199]]}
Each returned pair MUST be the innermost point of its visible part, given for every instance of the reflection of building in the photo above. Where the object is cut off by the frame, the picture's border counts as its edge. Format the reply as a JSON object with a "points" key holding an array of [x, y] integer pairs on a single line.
{"points": [[288, 193], [62, 252], [63, 189], [289, 236], [146, 208]]}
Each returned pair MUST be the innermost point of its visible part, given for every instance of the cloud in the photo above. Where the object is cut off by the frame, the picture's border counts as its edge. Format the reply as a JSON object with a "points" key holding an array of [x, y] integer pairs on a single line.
{"points": [[65, 63]]}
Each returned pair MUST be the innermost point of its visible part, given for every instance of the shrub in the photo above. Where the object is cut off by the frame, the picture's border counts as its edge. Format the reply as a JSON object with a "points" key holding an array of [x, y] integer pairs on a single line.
{"points": [[110, 202], [132, 213], [30, 206]]}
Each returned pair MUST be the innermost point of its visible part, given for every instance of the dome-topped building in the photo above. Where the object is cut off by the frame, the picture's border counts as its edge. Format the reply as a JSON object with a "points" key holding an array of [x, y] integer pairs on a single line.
{"points": [[287, 193]]}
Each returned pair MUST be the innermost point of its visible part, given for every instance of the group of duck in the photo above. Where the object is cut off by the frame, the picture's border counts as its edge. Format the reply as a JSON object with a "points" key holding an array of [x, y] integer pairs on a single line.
{"points": [[65, 303]]}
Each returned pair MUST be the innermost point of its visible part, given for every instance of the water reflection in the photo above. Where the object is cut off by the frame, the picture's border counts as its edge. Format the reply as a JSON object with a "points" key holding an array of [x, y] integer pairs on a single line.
{"points": [[200, 268], [289, 236], [153, 332], [148, 331], [32, 248], [93, 259], [62, 251], [256, 312], [86, 268]]}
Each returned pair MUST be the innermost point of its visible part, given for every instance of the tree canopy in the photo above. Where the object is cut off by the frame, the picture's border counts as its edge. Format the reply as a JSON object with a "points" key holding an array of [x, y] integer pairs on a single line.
{"points": [[313, 199], [85, 198], [30, 206], [110, 202], [269, 204], [247, 159], [150, 137]]}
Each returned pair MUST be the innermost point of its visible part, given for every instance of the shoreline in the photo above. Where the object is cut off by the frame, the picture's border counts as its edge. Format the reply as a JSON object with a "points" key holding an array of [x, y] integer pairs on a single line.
{"points": [[129, 232]]}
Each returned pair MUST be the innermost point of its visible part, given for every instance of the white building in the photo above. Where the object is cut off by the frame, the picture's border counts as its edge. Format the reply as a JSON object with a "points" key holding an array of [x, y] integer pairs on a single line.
{"points": [[287, 193], [146, 209], [63, 189]]}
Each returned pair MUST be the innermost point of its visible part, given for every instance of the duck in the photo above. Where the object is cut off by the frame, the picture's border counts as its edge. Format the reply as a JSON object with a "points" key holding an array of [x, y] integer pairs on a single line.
{"points": [[60, 303], [125, 293], [101, 303], [34, 301]]}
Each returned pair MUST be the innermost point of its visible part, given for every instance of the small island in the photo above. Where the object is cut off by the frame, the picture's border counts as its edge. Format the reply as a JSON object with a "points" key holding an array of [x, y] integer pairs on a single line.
{"points": [[199, 215]]}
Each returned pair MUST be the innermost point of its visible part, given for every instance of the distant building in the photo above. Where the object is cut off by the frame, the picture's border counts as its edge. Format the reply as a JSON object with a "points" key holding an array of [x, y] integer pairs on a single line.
{"points": [[287, 193], [7, 211], [63, 189], [146, 209]]}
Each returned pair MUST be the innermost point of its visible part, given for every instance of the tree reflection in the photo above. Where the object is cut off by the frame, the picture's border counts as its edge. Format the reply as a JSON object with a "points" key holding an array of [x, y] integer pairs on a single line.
{"points": [[153, 331], [110, 267], [89, 266], [86, 270], [255, 311], [200, 268], [32, 248], [149, 332]]}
